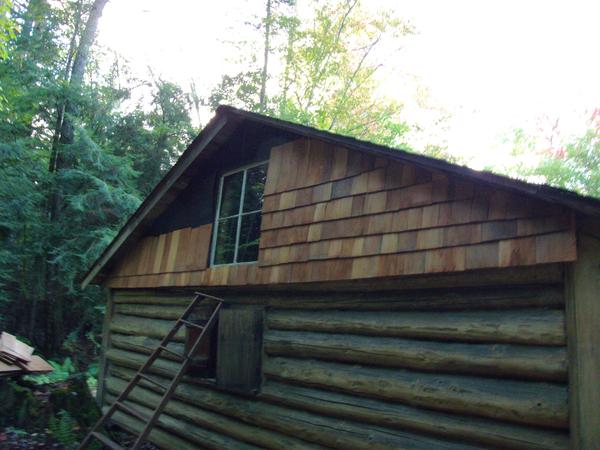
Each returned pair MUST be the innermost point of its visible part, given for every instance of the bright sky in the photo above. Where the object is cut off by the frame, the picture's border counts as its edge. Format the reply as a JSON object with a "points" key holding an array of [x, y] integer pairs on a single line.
{"points": [[492, 66]]}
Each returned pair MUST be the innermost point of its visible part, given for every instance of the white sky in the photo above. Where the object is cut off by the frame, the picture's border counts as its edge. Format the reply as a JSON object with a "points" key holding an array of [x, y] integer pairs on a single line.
{"points": [[492, 65]]}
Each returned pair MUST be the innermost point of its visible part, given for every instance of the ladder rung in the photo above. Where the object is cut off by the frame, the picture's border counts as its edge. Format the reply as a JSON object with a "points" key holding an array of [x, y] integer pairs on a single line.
{"points": [[107, 441], [132, 411], [204, 296], [172, 352], [191, 324], [153, 381]]}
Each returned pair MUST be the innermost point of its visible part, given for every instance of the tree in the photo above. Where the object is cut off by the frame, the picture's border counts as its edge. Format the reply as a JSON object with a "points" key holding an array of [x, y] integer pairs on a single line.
{"points": [[75, 158], [328, 76], [263, 76], [7, 32], [79, 54], [44, 252], [572, 163], [7, 26], [154, 139]]}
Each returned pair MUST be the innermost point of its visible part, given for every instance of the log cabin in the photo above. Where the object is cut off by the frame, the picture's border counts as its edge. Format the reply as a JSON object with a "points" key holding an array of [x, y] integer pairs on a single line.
{"points": [[375, 298]]}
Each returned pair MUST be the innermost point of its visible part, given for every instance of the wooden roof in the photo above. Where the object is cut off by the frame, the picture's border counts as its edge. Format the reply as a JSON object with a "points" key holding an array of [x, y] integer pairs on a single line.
{"points": [[228, 119]]}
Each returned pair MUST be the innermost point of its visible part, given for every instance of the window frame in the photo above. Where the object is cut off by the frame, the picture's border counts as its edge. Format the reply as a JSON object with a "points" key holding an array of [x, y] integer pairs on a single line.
{"points": [[240, 213]]}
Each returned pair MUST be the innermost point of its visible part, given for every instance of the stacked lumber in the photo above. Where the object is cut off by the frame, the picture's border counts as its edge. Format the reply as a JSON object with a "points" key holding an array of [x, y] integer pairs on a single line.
{"points": [[17, 358]]}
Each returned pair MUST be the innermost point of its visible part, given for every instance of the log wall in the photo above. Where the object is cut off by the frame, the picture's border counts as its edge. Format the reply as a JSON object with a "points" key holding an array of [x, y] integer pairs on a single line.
{"points": [[331, 214], [446, 368]]}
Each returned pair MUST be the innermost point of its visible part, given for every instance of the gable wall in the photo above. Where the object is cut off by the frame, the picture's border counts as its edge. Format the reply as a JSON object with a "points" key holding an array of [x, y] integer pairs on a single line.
{"points": [[333, 214], [195, 205]]}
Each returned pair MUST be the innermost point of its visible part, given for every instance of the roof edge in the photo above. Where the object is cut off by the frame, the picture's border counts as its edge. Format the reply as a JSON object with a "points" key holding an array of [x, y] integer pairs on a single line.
{"points": [[579, 202], [187, 157]]}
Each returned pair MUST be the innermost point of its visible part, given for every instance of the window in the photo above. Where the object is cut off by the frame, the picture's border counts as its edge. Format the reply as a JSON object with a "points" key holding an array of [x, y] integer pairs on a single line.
{"points": [[204, 360], [237, 226]]}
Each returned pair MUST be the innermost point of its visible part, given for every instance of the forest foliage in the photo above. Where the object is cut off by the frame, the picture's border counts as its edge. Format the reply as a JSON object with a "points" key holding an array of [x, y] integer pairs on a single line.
{"points": [[75, 161], [79, 151], [571, 162], [321, 72]]}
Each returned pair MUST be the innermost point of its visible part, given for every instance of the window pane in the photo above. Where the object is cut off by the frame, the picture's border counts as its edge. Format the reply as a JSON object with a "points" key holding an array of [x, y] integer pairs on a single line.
{"points": [[249, 236], [255, 186], [230, 196], [225, 246]]}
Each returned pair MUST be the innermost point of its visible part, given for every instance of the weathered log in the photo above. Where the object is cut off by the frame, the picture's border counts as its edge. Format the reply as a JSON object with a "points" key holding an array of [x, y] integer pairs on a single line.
{"points": [[515, 361], [145, 345], [422, 299], [166, 312], [528, 326], [126, 373], [329, 432], [210, 420], [182, 428], [525, 402], [471, 429], [394, 415], [144, 327], [429, 300], [153, 297], [157, 436], [134, 360]]}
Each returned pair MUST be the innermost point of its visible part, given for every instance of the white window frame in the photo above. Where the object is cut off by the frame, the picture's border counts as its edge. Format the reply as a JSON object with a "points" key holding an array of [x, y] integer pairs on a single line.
{"points": [[239, 214]]}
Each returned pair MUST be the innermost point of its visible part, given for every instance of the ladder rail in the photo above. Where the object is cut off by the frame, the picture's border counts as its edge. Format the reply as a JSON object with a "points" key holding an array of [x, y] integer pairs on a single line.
{"points": [[134, 381], [140, 374], [175, 382]]}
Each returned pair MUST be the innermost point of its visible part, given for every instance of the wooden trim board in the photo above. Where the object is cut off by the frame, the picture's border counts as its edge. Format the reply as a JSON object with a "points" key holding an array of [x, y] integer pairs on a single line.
{"points": [[583, 327]]}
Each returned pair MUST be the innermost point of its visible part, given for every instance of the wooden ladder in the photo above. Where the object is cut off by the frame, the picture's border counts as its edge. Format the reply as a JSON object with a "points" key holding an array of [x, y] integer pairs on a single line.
{"points": [[142, 374]]}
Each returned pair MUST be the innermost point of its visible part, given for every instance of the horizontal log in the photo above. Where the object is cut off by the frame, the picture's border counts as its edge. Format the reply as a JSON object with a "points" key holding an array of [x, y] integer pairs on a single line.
{"points": [[325, 431], [210, 420], [442, 300], [394, 415], [142, 326], [145, 345], [152, 297], [526, 402], [167, 312], [135, 360], [514, 361], [119, 370], [181, 428], [529, 326], [371, 411], [157, 436]]}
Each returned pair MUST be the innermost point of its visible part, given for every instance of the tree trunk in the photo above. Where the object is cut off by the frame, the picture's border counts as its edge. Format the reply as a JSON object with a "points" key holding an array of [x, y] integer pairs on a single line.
{"points": [[289, 55], [68, 110], [64, 136], [31, 17], [78, 70], [60, 108], [263, 78]]}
